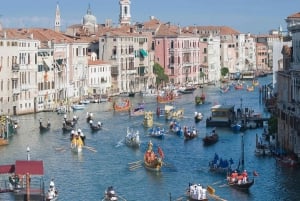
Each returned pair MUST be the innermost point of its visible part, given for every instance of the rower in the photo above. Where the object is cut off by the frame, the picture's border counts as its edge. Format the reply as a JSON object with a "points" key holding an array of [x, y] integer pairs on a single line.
{"points": [[52, 185], [82, 136]]}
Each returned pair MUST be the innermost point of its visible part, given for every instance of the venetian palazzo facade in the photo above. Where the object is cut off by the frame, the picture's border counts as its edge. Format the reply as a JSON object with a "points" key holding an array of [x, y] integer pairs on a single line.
{"points": [[43, 68], [288, 97]]}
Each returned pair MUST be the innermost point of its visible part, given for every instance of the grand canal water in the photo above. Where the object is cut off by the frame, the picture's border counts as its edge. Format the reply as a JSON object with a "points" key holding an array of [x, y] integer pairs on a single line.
{"points": [[84, 177]]}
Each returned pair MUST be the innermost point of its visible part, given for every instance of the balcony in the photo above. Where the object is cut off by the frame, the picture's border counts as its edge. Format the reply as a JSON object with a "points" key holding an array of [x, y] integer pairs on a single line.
{"points": [[129, 72], [16, 91], [114, 71], [15, 67]]}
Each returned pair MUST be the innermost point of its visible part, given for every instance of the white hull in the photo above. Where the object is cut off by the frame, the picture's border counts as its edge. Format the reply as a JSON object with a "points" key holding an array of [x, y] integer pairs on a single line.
{"points": [[76, 149], [78, 107]]}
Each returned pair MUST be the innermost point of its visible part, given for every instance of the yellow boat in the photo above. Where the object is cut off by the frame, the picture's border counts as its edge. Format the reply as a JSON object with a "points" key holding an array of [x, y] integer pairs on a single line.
{"points": [[148, 119]]}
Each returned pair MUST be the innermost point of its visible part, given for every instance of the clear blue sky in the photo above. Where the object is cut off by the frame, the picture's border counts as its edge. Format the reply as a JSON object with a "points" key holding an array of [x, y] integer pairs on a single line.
{"points": [[254, 16]]}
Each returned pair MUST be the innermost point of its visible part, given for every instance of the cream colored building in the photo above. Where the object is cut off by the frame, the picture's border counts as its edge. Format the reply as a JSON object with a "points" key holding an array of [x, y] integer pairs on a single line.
{"points": [[18, 58]]}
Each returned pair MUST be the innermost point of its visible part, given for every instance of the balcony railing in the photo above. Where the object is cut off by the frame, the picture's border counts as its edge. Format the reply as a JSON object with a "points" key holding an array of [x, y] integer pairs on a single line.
{"points": [[15, 67]]}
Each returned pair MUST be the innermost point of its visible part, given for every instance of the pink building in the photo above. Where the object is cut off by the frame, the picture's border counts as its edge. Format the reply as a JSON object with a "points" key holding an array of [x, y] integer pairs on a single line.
{"points": [[178, 53], [261, 57]]}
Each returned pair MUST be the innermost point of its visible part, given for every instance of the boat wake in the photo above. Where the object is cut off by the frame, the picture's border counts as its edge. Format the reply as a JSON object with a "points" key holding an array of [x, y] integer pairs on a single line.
{"points": [[120, 143]]}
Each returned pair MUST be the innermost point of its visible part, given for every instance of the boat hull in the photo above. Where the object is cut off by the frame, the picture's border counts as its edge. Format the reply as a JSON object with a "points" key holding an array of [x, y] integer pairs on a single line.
{"points": [[209, 140], [153, 168], [241, 186]]}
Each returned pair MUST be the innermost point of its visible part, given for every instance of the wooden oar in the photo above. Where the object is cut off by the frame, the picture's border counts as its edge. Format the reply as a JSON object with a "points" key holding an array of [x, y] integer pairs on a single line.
{"points": [[90, 148], [216, 197], [135, 167], [135, 162], [59, 149]]}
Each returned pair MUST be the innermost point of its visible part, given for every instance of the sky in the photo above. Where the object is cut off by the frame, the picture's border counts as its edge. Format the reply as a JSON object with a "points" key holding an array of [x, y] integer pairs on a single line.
{"points": [[246, 16]]}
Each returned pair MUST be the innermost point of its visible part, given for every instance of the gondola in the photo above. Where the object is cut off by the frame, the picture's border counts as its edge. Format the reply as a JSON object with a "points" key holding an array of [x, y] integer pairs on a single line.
{"points": [[241, 185], [110, 194], [239, 179], [44, 128], [95, 127], [211, 138], [89, 116], [189, 133], [198, 117]]}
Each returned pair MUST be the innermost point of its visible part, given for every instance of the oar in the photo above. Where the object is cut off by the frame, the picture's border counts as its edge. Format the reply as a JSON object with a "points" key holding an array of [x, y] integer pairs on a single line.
{"points": [[135, 162], [90, 148], [216, 197], [59, 149], [133, 168]]}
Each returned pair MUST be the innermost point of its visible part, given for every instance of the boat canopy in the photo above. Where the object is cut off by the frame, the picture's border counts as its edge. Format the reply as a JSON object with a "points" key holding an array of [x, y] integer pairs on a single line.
{"points": [[28, 166], [7, 169]]}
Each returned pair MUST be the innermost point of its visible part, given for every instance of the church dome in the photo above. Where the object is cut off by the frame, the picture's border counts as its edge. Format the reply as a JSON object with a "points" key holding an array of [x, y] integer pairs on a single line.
{"points": [[89, 18]]}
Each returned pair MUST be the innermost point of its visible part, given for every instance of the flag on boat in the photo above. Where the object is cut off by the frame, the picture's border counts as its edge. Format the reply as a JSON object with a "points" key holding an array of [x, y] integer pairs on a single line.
{"points": [[161, 153]]}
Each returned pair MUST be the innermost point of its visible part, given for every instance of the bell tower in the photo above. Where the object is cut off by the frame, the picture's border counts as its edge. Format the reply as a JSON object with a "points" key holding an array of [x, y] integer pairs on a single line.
{"points": [[57, 19], [125, 16]]}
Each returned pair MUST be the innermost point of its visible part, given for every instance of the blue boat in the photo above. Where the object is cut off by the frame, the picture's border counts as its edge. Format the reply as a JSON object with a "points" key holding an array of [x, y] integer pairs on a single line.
{"points": [[176, 128], [157, 132], [236, 127]]}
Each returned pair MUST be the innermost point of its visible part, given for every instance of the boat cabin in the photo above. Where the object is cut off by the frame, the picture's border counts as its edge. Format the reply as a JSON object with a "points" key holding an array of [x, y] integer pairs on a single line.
{"points": [[24, 179], [221, 116]]}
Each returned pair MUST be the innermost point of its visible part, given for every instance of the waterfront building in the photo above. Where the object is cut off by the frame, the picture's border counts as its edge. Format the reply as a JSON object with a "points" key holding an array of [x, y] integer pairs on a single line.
{"points": [[98, 76], [262, 57], [288, 91], [236, 50], [178, 52], [250, 53], [18, 64], [268, 40], [127, 52]]}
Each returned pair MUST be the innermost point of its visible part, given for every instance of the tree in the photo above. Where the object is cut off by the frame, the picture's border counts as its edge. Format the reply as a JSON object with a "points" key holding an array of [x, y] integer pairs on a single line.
{"points": [[272, 123], [161, 77], [224, 71]]}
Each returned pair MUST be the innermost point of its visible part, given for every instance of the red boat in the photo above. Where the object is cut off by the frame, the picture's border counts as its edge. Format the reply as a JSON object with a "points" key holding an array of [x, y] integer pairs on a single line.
{"points": [[169, 97], [122, 106]]}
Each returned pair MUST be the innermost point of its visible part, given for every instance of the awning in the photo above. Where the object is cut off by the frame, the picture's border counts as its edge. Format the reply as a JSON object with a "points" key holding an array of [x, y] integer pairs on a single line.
{"points": [[143, 52], [32, 167], [7, 169]]}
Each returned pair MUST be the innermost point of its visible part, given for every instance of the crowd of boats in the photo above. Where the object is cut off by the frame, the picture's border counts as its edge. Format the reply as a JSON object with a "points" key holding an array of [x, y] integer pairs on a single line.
{"points": [[153, 159]]}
